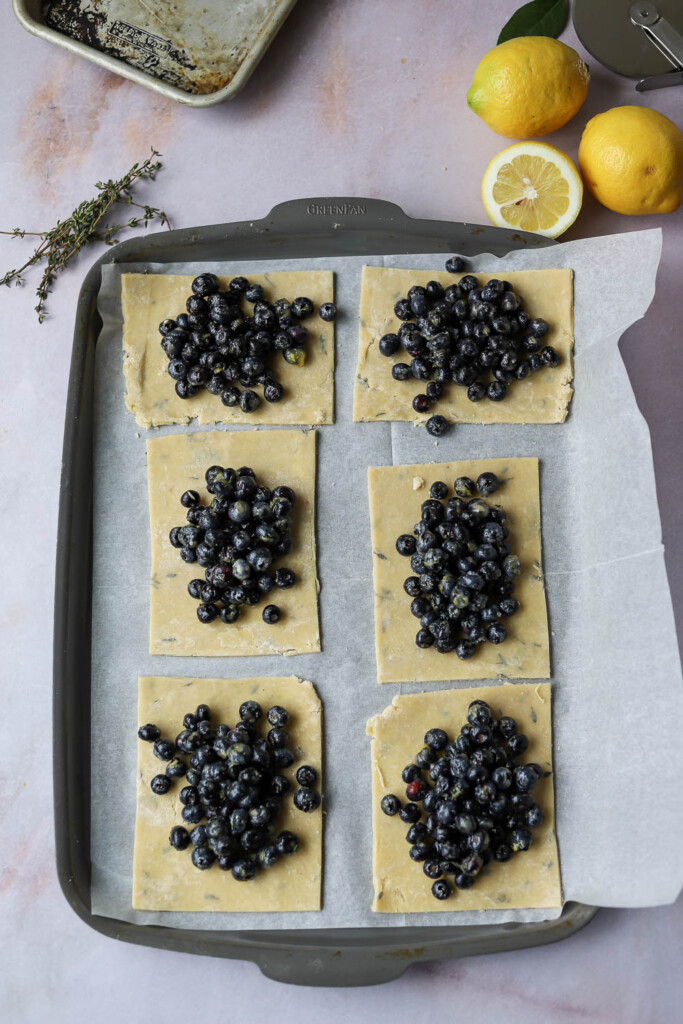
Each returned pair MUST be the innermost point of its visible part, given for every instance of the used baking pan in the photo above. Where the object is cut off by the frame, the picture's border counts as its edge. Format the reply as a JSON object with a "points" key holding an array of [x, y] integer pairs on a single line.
{"points": [[197, 56], [302, 228]]}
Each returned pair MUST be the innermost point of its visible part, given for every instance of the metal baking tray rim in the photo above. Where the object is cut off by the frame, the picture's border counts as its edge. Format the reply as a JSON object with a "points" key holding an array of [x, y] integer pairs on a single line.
{"points": [[333, 957], [119, 67]]}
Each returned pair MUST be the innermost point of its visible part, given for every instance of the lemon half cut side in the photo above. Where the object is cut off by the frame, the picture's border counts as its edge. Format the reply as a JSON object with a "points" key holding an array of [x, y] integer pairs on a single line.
{"points": [[532, 186]]}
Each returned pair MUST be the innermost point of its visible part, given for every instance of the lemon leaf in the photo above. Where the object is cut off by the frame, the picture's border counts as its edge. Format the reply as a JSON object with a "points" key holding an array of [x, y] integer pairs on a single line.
{"points": [[539, 18]]}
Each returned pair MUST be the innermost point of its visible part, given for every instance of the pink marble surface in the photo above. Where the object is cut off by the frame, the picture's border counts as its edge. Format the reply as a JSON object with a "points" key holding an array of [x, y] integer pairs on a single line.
{"points": [[353, 99]]}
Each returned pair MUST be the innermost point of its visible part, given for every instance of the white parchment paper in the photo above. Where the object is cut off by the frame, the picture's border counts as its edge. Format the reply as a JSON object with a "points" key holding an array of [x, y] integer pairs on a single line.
{"points": [[618, 699]]}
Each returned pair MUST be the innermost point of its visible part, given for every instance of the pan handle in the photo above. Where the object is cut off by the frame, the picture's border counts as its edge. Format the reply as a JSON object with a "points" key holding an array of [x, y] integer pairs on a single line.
{"points": [[329, 968], [333, 213]]}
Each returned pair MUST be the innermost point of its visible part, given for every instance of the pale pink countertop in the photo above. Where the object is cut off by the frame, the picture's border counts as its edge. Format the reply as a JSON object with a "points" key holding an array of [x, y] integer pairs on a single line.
{"points": [[356, 99]]}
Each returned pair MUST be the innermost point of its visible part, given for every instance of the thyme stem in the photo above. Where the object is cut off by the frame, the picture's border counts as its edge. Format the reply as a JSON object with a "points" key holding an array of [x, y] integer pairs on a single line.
{"points": [[86, 224]]}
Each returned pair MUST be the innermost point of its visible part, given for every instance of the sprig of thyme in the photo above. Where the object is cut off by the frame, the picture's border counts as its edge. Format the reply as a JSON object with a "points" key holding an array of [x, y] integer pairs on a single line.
{"points": [[86, 224]]}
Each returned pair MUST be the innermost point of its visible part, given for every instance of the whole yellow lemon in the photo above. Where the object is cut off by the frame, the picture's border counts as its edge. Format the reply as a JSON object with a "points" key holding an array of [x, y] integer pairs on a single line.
{"points": [[631, 159], [528, 87]]}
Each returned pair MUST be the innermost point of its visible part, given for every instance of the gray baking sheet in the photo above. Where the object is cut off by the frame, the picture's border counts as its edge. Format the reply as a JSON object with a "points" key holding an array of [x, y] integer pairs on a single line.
{"points": [[616, 673]]}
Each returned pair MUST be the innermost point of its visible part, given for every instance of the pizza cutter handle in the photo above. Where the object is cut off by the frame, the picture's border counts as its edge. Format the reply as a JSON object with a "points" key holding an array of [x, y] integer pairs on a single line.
{"points": [[659, 31]]}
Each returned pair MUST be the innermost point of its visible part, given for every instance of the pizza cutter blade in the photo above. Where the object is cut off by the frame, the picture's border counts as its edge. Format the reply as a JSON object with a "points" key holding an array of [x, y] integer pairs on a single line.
{"points": [[639, 40]]}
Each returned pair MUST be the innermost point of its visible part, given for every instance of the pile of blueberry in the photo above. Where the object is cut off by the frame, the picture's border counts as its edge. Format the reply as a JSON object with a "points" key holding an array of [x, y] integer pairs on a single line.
{"points": [[475, 796], [233, 788], [478, 338], [217, 346], [236, 539], [464, 570]]}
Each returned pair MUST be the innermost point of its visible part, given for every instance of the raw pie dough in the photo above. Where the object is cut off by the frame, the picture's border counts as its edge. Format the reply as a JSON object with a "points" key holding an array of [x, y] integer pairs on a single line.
{"points": [[530, 879], [147, 299], [542, 398], [178, 462], [164, 878], [396, 494]]}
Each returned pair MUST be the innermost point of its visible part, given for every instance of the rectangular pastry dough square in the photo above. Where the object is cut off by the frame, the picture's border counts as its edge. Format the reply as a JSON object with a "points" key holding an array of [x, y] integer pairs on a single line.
{"points": [[542, 398], [147, 299], [178, 462], [530, 879], [396, 494], [166, 879]]}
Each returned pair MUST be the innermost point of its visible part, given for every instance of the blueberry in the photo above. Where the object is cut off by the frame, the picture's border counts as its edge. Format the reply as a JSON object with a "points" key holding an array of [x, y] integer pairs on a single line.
{"points": [[501, 777], [302, 308], [179, 838], [520, 840], [538, 327], [389, 344], [267, 856], [530, 343], [507, 727], [306, 775], [464, 487], [441, 889], [175, 769], [503, 853], [411, 772], [284, 578], [230, 396], [416, 790], [149, 733], [517, 744], [177, 370], [286, 844], [273, 392], [160, 784], [496, 391], [422, 403], [307, 799], [278, 715], [405, 544], [192, 813], [455, 265], [283, 758], [410, 813], [436, 739], [465, 649], [243, 870], [249, 401], [327, 311], [487, 484], [549, 356], [476, 392], [512, 567], [526, 776], [432, 868], [205, 284], [436, 425], [164, 749], [271, 614], [207, 612], [534, 816], [229, 613]]}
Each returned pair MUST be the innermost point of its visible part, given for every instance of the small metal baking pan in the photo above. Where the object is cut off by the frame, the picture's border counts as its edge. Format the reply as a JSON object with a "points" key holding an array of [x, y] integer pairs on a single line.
{"points": [[366, 956], [197, 56]]}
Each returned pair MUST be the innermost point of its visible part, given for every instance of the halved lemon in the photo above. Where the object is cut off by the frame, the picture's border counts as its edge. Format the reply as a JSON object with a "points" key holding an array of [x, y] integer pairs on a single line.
{"points": [[532, 186]]}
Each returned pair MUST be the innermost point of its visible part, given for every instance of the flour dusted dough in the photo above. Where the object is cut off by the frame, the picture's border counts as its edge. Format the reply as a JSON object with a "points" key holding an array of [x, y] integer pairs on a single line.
{"points": [[542, 398], [530, 879], [165, 879], [394, 508], [178, 462], [147, 299]]}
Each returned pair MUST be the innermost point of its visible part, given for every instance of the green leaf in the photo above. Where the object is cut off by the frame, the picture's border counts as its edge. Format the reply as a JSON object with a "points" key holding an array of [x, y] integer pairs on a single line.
{"points": [[539, 18]]}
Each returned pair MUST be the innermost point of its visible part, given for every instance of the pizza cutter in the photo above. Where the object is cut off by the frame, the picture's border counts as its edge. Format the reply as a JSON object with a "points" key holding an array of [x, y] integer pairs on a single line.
{"points": [[639, 40]]}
